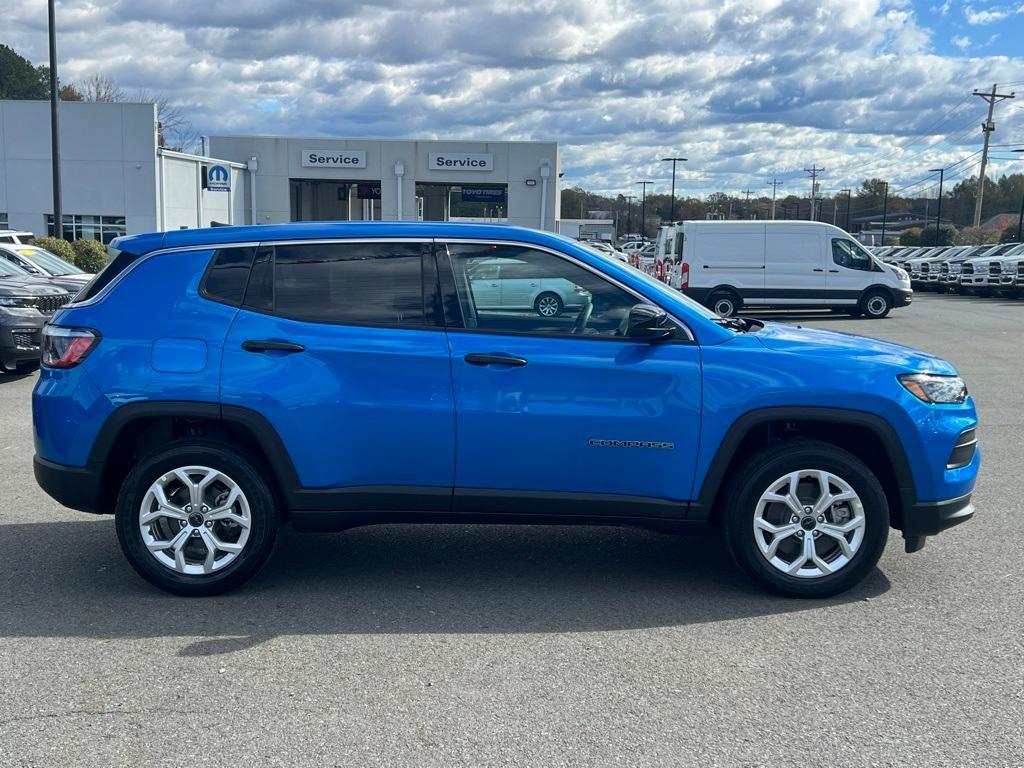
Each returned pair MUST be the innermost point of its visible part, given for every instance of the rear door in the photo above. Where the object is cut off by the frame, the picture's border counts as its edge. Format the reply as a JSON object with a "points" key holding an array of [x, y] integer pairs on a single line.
{"points": [[341, 347], [794, 265]]}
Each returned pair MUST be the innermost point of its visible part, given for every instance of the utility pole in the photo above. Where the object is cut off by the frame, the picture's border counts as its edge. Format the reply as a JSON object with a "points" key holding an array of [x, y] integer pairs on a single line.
{"points": [[987, 127], [885, 209], [629, 212], [775, 185], [938, 213], [673, 160], [746, 201], [58, 212], [643, 207], [848, 192], [814, 172]]}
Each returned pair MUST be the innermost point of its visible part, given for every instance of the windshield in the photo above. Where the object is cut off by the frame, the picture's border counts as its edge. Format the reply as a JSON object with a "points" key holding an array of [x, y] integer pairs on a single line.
{"points": [[7, 269], [52, 263]]}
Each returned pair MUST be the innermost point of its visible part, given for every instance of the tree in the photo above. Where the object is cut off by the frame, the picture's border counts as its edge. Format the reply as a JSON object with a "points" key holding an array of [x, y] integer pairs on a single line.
{"points": [[911, 236], [947, 235], [1009, 234], [69, 93], [19, 79], [100, 88], [975, 236]]}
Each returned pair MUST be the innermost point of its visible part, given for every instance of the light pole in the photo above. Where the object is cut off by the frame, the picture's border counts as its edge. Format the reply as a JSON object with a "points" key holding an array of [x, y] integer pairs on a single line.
{"points": [[673, 160], [1020, 222], [58, 213], [629, 212], [849, 194], [643, 208], [938, 213]]}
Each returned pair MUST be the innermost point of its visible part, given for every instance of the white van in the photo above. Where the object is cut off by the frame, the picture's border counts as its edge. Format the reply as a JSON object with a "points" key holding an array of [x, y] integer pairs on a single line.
{"points": [[729, 265]]}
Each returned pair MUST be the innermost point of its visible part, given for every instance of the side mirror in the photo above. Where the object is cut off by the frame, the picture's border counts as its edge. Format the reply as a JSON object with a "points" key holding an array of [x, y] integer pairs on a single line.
{"points": [[649, 323]]}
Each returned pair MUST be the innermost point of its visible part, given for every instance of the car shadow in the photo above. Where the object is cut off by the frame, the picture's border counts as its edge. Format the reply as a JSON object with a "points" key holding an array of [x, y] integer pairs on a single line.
{"points": [[69, 579]]}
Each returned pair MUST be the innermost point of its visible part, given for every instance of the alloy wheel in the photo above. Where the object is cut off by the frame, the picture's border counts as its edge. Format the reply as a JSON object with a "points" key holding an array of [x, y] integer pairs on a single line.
{"points": [[195, 520], [809, 523], [548, 306]]}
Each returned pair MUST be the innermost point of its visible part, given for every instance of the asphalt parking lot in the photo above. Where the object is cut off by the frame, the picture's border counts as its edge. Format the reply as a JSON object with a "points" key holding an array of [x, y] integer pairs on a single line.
{"points": [[451, 645]]}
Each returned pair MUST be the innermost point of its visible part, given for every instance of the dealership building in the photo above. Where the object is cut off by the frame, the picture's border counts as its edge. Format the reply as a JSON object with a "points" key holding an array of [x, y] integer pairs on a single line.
{"points": [[116, 179]]}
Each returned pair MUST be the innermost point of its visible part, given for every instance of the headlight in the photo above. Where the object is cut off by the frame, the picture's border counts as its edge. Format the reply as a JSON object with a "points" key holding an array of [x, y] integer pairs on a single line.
{"points": [[901, 274], [932, 388], [17, 301]]}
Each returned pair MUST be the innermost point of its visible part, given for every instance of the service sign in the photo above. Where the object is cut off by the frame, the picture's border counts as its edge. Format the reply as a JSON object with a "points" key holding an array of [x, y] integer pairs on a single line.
{"points": [[333, 158], [218, 179], [460, 161]]}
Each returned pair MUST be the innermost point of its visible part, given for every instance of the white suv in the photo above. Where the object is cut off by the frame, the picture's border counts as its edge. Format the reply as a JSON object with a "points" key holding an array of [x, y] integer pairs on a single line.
{"points": [[511, 284]]}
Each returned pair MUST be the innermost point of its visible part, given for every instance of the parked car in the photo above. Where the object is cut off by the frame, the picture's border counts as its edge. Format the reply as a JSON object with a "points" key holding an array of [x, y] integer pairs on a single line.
{"points": [[1011, 279], [26, 304], [979, 274], [512, 283], [15, 236], [729, 265], [42, 263], [212, 383], [606, 249]]}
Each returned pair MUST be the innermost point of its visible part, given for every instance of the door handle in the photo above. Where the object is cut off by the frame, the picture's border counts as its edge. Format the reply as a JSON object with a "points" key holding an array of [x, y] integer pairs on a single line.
{"points": [[269, 345], [816, 269], [834, 270], [478, 358]]}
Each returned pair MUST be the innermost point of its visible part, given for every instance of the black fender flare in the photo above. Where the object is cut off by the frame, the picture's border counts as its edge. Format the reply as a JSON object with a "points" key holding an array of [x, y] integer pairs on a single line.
{"points": [[701, 508]]}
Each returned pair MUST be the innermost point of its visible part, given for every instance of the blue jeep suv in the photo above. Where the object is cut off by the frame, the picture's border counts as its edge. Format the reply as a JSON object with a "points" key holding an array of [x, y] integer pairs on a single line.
{"points": [[209, 385]]}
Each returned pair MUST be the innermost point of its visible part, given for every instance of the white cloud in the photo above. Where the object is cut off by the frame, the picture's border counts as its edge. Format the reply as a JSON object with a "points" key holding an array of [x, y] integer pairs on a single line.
{"points": [[743, 87], [985, 15], [962, 42]]}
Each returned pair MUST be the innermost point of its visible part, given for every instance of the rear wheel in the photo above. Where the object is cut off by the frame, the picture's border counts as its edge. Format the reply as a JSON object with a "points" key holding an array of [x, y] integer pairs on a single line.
{"points": [[875, 304], [724, 303], [196, 518], [806, 519]]}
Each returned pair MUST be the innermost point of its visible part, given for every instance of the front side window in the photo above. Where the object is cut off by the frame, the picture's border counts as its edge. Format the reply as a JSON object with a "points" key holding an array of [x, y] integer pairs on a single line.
{"points": [[516, 289], [848, 254], [382, 284]]}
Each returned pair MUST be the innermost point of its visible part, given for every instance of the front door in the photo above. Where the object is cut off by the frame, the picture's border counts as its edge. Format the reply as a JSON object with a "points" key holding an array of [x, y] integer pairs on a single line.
{"points": [[565, 406], [849, 271], [340, 346]]}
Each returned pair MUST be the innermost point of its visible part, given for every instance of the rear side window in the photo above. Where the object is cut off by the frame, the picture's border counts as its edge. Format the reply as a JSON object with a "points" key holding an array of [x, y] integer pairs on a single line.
{"points": [[383, 284], [227, 275]]}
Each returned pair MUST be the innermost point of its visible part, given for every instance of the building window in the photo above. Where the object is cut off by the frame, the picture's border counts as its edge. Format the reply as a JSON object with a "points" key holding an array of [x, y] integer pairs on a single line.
{"points": [[80, 227], [3, 221]]}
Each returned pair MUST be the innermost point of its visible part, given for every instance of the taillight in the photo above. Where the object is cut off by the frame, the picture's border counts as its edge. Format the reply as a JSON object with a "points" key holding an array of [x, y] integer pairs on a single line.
{"points": [[67, 347], [684, 275]]}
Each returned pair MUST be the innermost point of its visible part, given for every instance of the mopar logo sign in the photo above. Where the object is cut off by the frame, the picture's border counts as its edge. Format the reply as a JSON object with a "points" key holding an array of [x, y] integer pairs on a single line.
{"points": [[218, 179], [460, 161], [327, 158]]}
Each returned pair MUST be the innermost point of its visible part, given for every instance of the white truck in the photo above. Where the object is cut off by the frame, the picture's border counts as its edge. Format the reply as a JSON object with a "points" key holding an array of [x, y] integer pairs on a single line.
{"points": [[730, 265]]}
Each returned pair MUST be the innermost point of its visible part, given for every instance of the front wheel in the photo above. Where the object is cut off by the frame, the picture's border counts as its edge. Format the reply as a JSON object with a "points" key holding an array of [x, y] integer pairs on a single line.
{"points": [[806, 519], [724, 303], [876, 305], [196, 518]]}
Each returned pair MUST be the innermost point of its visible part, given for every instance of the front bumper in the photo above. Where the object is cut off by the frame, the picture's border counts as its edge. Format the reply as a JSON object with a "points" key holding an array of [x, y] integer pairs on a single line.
{"points": [[903, 297], [928, 518], [73, 487], [20, 337]]}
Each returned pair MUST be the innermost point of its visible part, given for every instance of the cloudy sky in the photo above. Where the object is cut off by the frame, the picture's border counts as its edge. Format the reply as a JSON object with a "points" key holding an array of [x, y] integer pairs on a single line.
{"points": [[746, 89]]}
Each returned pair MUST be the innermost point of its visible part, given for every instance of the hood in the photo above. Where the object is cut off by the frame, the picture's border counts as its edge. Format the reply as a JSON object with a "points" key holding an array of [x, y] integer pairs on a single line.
{"points": [[831, 348], [29, 286], [70, 283]]}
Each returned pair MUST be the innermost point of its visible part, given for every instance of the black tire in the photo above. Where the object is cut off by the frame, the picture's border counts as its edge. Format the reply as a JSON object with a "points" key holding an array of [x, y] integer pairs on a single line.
{"points": [[724, 303], [760, 472], [875, 304], [546, 297], [215, 455]]}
